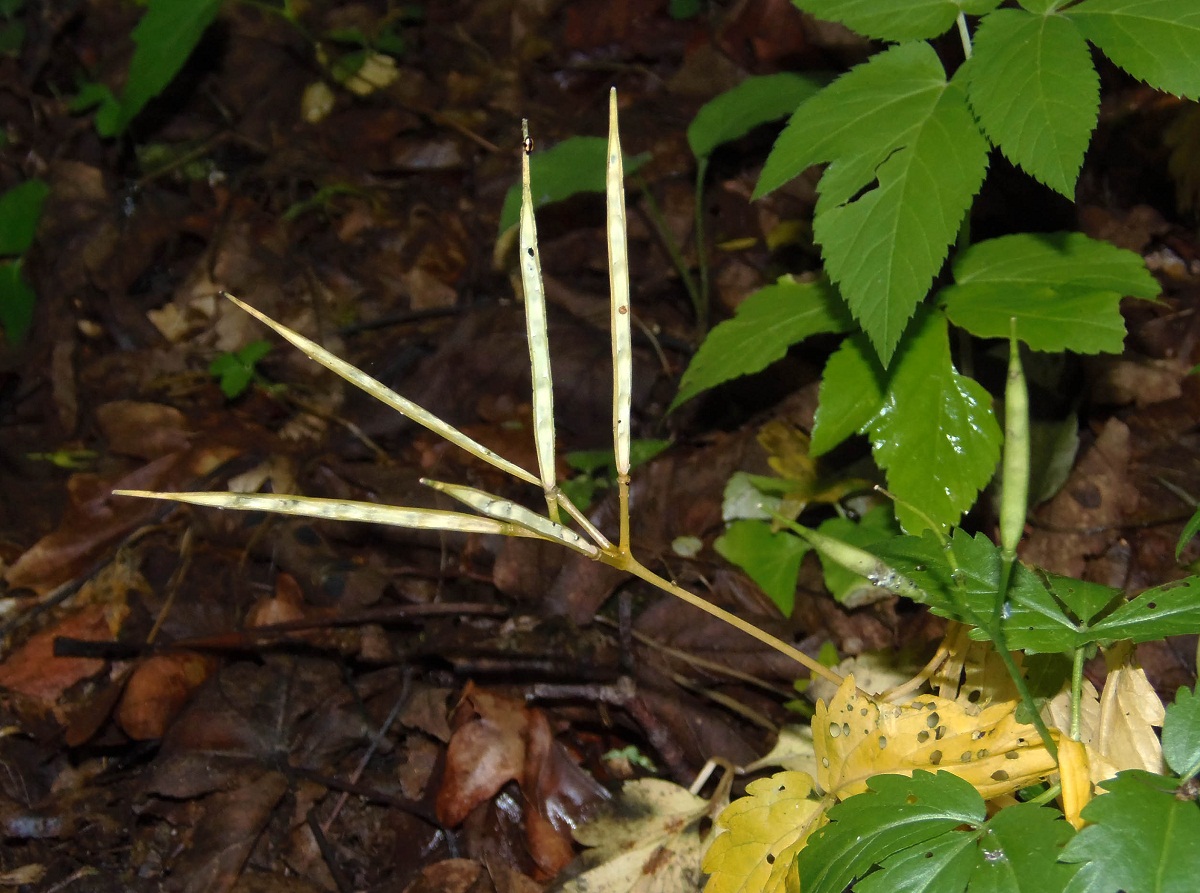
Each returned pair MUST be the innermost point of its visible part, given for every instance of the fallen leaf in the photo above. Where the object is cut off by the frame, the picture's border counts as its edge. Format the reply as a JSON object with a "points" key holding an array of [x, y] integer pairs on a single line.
{"points": [[758, 836], [158, 689], [856, 737], [647, 841]]}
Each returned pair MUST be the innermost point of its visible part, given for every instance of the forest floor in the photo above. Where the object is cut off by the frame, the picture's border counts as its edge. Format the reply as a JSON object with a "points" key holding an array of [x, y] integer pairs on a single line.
{"points": [[197, 700]]}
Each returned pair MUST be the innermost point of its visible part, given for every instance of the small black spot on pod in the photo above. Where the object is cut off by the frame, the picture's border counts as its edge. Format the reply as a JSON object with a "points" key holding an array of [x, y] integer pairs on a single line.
{"points": [[1000, 775]]}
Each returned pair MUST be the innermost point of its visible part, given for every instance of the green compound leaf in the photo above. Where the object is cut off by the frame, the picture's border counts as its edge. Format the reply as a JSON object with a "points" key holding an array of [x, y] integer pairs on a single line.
{"points": [[906, 159], [575, 165], [851, 393], [1154, 40], [1063, 289], [1036, 93], [896, 813], [896, 19], [1190, 529], [772, 559], [165, 37], [1142, 839], [1181, 734], [935, 435], [766, 324], [754, 101], [1170, 610], [20, 210]]}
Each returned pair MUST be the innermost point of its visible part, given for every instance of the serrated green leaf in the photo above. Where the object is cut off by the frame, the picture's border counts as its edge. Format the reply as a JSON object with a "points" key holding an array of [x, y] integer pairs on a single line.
{"points": [[1085, 600], [1035, 91], [1064, 290], [1142, 839], [1019, 850], [906, 159], [766, 324], [942, 865], [896, 813], [772, 559], [1170, 610], [896, 19], [936, 436], [1181, 734], [1154, 40], [754, 101], [20, 210], [575, 165], [17, 300], [1042, 7], [165, 37], [851, 393]]}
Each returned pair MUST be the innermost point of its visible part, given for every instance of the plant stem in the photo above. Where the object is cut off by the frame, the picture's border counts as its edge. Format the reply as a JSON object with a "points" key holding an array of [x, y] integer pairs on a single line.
{"points": [[660, 225], [964, 35], [626, 562], [1076, 692]]}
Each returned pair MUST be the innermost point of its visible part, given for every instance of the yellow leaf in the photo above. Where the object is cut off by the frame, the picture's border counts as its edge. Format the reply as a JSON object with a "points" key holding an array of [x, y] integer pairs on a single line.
{"points": [[1129, 711], [758, 836], [648, 842], [1074, 776], [856, 737]]}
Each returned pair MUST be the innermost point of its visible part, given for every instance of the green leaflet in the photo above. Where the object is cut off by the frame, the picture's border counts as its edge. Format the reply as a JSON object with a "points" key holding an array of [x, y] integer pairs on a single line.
{"points": [[1036, 93], [896, 19], [20, 211], [1154, 40], [766, 324], [935, 434], [1142, 839], [1064, 289], [906, 834], [165, 37], [1181, 734], [906, 159], [931, 429], [851, 392], [772, 559], [575, 165], [754, 101], [16, 302]]}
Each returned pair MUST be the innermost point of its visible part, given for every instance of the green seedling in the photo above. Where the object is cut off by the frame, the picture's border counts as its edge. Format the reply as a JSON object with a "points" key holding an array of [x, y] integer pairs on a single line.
{"points": [[20, 211], [597, 469], [237, 370]]}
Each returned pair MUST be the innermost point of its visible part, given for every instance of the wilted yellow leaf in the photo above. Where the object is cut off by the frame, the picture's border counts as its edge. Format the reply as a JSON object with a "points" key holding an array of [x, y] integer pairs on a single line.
{"points": [[758, 836], [1074, 776], [788, 455], [1129, 711], [856, 737], [649, 841]]}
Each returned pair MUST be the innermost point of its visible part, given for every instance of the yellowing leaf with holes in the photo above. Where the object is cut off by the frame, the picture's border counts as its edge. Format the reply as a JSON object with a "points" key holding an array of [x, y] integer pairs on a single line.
{"points": [[856, 737], [759, 836], [649, 841]]}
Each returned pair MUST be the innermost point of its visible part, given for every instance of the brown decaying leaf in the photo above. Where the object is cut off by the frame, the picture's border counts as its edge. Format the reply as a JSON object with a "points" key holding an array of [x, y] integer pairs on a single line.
{"points": [[96, 520], [33, 670], [226, 834], [855, 737], [498, 739], [157, 691]]}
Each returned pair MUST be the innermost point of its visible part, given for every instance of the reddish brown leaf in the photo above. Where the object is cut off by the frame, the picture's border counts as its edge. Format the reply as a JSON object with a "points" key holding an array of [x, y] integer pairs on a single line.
{"points": [[157, 691], [33, 670]]}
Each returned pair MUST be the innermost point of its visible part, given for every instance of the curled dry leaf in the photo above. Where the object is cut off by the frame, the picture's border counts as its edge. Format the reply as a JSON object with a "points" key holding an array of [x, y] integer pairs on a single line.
{"points": [[856, 737], [157, 691], [498, 739]]}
